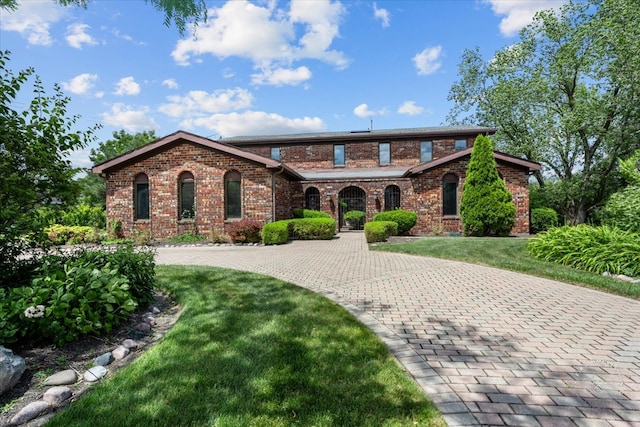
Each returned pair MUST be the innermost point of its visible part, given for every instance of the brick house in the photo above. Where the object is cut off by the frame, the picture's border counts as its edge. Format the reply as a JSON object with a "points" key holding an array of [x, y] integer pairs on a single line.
{"points": [[187, 183]]}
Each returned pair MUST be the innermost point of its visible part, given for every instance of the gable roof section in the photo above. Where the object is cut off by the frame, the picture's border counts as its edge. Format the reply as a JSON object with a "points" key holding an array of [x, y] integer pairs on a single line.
{"points": [[164, 143], [527, 165]]}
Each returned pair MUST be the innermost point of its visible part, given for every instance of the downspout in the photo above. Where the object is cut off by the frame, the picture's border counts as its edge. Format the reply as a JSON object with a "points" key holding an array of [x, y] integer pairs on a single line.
{"points": [[273, 192]]}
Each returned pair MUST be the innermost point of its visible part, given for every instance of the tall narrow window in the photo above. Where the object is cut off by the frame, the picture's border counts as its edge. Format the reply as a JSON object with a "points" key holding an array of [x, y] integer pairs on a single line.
{"points": [[312, 199], [450, 194], [338, 155], [384, 153], [391, 198], [187, 196], [426, 151], [461, 144], [141, 197], [232, 195], [275, 153]]}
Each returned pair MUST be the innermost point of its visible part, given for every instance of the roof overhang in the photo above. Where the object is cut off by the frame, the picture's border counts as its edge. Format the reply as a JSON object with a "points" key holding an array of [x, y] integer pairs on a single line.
{"points": [[352, 173]]}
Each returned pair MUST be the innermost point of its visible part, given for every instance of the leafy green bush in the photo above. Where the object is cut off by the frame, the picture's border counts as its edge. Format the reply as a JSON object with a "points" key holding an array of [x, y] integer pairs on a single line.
{"points": [[275, 233], [596, 249], [245, 231], [379, 231], [406, 220], [63, 234], [309, 213], [312, 228], [543, 219], [85, 215], [623, 209], [355, 218]]}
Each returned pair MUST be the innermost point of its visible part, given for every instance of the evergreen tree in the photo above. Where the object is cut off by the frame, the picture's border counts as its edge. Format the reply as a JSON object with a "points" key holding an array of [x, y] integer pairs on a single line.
{"points": [[486, 207]]}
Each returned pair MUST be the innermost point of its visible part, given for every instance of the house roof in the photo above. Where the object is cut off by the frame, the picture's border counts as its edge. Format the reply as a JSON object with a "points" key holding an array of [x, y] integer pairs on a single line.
{"points": [[362, 135], [352, 173], [163, 143]]}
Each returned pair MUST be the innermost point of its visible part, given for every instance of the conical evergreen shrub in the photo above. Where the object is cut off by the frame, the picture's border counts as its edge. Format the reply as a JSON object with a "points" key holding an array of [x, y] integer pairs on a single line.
{"points": [[486, 207]]}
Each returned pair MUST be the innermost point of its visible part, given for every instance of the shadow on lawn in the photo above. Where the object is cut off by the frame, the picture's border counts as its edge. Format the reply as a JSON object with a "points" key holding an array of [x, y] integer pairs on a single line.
{"points": [[252, 350]]}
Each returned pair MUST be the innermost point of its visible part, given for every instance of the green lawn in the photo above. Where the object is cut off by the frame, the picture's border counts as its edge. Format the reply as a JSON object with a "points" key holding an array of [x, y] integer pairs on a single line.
{"points": [[510, 254], [250, 350]]}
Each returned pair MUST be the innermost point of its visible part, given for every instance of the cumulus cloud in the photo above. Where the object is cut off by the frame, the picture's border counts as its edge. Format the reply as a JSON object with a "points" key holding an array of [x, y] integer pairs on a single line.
{"points": [[410, 108], [80, 84], [382, 15], [170, 83], [127, 86], [255, 123], [428, 61], [363, 111], [133, 120], [32, 20], [282, 76], [77, 36], [270, 37], [519, 13], [198, 103]]}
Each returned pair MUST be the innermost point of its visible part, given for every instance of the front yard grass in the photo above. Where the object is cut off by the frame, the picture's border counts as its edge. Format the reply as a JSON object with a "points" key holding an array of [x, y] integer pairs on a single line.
{"points": [[508, 253], [250, 350]]}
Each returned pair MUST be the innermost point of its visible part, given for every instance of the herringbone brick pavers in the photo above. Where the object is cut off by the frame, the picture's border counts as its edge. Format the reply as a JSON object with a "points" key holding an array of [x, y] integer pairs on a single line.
{"points": [[490, 347]]}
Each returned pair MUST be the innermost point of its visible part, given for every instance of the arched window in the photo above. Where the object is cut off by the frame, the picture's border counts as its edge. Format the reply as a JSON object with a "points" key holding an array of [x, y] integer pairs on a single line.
{"points": [[141, 196], [391, 198], [312, 199], [450, 194], [232, 195], [186, 196]]}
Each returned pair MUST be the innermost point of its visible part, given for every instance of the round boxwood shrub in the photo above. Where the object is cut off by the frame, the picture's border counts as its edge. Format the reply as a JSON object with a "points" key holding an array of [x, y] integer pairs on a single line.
{"points": [[379, 231], [309, 213], [543, 219], [355, 219], [275, 233], [406, 220]]}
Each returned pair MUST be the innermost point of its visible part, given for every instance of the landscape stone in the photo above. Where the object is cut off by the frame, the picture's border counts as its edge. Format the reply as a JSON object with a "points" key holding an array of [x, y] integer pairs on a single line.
{"points": [[130, 344], [11, 369], [95, 373], [66, 377], [150, 319], [57, 395], [120, 352], [143, 327], [104, 359], [31, 411], [155, 310]]}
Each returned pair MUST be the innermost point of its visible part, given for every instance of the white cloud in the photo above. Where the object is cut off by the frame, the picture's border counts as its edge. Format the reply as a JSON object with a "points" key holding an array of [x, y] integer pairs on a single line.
{"points": [[282, 76], [363, 111], [80, 84], [32, 20], [382, 15], [410, 108], [77, 36], [255, 123], [271, 38], [198, 103], [170, 83], [127, 86], [123, 116], [80, 158], [428, 61], [519, 13]]}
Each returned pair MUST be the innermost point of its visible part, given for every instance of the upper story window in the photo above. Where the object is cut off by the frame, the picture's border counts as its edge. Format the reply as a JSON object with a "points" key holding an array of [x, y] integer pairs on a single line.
{"points": [[461, 144], [275, 153], [232, 195], [186, 194], [450, 194], [426, 151], [338, 155], [384, 153], [141, 198]]}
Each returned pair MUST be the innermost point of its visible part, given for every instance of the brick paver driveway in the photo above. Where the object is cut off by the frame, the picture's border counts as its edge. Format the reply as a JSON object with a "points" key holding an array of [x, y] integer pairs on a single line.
{"points": [[490, 347]]}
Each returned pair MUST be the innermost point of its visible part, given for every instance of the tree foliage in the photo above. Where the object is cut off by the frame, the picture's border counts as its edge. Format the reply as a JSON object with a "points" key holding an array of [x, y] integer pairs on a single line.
{"points": [[623, 207], [567, 95], [486, 207]]}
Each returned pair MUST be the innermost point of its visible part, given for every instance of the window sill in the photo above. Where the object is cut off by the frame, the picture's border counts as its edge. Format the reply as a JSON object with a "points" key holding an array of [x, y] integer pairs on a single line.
{"points": [[141, 220], [228, 220], [186, 220], [450, 217]]}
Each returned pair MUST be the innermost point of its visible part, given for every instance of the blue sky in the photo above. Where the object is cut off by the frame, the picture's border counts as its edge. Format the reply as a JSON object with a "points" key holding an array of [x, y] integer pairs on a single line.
{"points": [[258, 67]]}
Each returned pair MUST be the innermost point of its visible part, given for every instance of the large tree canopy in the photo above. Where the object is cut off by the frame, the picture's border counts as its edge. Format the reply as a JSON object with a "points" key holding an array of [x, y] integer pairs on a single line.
{"points": [[567, 95]]}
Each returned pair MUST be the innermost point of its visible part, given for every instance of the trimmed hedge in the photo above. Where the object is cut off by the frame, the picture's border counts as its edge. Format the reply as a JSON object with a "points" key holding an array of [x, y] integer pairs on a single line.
{"points": [[543, 219], [275, 233], [312, 228], [309, 213], [406, 220], [379, 231]]}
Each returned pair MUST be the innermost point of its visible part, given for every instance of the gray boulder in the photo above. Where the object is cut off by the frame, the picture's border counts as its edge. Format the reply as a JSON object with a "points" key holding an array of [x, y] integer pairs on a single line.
{"points": [[11, 369]]}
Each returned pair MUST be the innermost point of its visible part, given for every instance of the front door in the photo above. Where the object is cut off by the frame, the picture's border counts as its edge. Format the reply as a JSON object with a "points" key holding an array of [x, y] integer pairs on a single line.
{"points": [[351, 199]]}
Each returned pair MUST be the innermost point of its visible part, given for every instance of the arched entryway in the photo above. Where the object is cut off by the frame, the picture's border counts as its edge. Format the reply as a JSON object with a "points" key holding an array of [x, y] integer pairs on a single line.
{"points": [[351, 199]]}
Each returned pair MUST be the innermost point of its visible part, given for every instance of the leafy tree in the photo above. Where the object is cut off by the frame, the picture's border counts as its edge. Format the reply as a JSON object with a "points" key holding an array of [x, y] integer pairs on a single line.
{"points": [[623, 207], [486, 207], [35, 171], [567, 95], [93, 186]]}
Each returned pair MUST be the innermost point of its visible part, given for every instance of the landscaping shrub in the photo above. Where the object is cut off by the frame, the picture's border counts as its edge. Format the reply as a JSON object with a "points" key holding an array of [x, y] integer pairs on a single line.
{"points": [[219, 236], [309, 213], [275, 233], [85, 215], [543, 219], [596, 249], [63, 234], [187, 237], [379, 231], [406, 220], [355, 219], [245, 231], [312, 228], [623, 209]]}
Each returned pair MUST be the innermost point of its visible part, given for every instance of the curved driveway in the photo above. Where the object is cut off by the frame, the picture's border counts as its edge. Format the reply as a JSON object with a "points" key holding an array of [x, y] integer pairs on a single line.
{"points": [[490, 347]]}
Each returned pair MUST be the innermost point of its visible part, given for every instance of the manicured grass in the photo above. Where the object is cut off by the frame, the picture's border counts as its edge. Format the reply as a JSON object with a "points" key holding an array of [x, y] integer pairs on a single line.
{"points": [[250, 350], [510, 254]]}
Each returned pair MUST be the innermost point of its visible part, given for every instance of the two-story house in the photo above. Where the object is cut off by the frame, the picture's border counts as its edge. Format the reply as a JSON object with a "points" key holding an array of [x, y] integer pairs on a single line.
{"points": [[187, 183]]}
